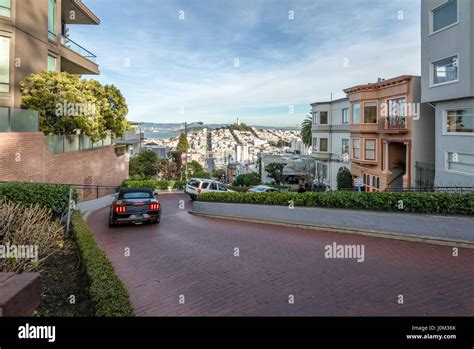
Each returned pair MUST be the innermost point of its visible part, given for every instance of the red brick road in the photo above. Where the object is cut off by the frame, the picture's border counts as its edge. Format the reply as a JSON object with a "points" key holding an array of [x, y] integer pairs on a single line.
{"points": [[194, 257]]}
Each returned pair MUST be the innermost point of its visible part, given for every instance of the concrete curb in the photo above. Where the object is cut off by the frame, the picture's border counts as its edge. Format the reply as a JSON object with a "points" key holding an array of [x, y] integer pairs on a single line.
{"points": [[371, 233]]}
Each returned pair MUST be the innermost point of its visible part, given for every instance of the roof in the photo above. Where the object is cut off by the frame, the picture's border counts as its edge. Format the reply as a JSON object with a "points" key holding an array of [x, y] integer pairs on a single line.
{"points": [[379, 85], [331, 102]]}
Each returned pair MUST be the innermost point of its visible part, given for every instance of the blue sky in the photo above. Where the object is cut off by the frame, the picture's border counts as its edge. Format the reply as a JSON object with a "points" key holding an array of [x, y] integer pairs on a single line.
{"points": [[175, 70]]}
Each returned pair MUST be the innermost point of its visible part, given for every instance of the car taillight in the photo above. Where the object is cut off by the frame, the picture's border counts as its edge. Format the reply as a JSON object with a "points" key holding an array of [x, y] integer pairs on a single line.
{"points": [[120, 209], [199, 191], [154, 207]]}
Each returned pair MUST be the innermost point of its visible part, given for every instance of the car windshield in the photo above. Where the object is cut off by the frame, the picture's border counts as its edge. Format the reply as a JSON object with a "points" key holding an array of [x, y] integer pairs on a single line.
{"points": [[194, 184], [137, 195]]}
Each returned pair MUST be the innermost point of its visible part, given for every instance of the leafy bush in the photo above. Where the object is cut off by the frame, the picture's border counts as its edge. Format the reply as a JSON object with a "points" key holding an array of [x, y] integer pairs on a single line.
{"points": [[154, 184], [52, 196], [247, 180], [428, 203], [107, 291], [34, 229]]}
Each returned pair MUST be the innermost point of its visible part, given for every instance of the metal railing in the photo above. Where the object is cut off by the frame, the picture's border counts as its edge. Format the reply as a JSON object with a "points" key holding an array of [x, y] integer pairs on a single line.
{"points": [[393, 123], [66, 42]]}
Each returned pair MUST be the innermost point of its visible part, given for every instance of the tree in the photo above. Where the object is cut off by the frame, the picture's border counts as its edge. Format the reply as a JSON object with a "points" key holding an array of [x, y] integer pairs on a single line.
{"points": [[218, 173], [145, 164], [275, 171], [306, 130], [183, 144], [68, 104], [196, 170], [168, 170], [344, 178]]}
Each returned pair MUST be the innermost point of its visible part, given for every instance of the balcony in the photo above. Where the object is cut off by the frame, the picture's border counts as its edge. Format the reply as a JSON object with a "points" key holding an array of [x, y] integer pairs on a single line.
{"points": [[321, 155], [364, 128], [394, 125], [75, 59], [66, 42]]}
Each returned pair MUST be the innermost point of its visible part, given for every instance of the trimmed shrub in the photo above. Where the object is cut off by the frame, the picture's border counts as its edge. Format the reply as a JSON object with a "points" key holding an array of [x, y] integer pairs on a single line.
{"points": [[154, 184], [28, 230], [52, 196], [344, 179], [427, 203], [107, 291], [247, 180]]}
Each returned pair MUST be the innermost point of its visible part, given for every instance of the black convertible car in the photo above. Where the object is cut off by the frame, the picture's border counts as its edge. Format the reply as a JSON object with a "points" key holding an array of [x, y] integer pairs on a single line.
{"points": [[135, 205]]}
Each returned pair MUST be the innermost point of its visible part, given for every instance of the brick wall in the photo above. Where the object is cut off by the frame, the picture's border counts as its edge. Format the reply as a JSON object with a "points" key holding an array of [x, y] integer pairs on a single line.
{"points": [[25, 157]]}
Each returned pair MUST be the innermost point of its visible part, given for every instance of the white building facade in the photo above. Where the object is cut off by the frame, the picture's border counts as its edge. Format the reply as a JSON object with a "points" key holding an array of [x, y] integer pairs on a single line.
{"points": [[331, 139]]}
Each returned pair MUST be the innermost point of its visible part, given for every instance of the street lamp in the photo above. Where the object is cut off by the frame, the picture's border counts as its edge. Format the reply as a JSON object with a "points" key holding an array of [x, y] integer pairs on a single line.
{"points": [[200, 123]]}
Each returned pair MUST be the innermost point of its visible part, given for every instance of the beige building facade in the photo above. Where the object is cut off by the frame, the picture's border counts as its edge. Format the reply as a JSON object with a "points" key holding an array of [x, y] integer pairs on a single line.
{"points": [[34, 37]]}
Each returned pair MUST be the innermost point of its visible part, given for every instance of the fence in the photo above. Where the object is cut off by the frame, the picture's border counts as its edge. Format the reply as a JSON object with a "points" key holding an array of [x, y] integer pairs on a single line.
{"points": [[58, 144], [18, 120], [433, 189]]}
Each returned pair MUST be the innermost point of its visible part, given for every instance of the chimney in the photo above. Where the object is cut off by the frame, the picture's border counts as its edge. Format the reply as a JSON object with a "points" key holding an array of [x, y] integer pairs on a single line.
{"points": [[380, 80]]}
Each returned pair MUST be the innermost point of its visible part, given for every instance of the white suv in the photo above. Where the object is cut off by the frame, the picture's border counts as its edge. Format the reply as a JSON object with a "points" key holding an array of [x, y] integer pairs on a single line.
{"points": [[197, 186]]}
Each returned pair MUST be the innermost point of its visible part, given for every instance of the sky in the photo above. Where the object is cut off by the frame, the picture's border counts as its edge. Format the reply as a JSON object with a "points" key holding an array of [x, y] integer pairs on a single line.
{"points": [[262, 61]]}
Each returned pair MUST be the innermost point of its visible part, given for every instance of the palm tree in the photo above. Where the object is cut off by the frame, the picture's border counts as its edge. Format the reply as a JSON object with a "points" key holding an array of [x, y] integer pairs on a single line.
{"points": [[306, 133]]}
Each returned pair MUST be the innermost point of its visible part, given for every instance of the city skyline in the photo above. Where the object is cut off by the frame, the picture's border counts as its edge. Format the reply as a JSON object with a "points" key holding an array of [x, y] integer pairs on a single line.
{"points": [[261, 65]]}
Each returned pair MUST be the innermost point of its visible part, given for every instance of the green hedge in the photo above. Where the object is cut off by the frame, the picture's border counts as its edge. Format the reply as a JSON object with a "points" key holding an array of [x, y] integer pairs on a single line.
{"points": [[106, 290], [154, 184], [429, 203], [53, 196]]}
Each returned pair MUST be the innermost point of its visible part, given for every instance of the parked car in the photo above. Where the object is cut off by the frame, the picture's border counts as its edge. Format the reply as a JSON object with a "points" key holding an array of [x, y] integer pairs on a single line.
{"points": [[263, 189], [135, 205], [321, 187], [197, 186]]}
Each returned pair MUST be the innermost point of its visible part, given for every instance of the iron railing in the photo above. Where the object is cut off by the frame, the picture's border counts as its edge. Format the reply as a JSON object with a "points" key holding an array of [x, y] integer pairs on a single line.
{"points": [[397, 123]]}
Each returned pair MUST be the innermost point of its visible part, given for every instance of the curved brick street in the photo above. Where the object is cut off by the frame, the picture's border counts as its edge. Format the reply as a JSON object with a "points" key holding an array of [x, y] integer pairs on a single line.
{"points": [[194, 257]]}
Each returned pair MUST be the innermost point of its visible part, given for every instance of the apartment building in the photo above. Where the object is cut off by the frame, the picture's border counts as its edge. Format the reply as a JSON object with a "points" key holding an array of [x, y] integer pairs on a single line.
{"points": [[391, 134], [34, 37], [331, 139], [447, 54], [133, 139]]}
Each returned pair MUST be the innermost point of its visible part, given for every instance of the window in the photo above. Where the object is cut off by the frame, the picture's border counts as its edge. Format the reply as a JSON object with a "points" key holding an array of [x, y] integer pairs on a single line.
{"points": [[460, 162], [345, 116], [322, 171], [315, 115], [52, 63], [356, 148], [4, 64], [52, 19], [137, 195], [445, 70], [323, 144], [370, 113], [370, 149], [5, 8], [345, 146], [213, 186], [460, 121], [222, 188], [315, 143], [356, 113], [323, 118], [444, 16]]}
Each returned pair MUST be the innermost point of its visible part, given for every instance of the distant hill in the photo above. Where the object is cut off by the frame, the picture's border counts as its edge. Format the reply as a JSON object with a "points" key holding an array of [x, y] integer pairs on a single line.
{"points": [[173, 126]]}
